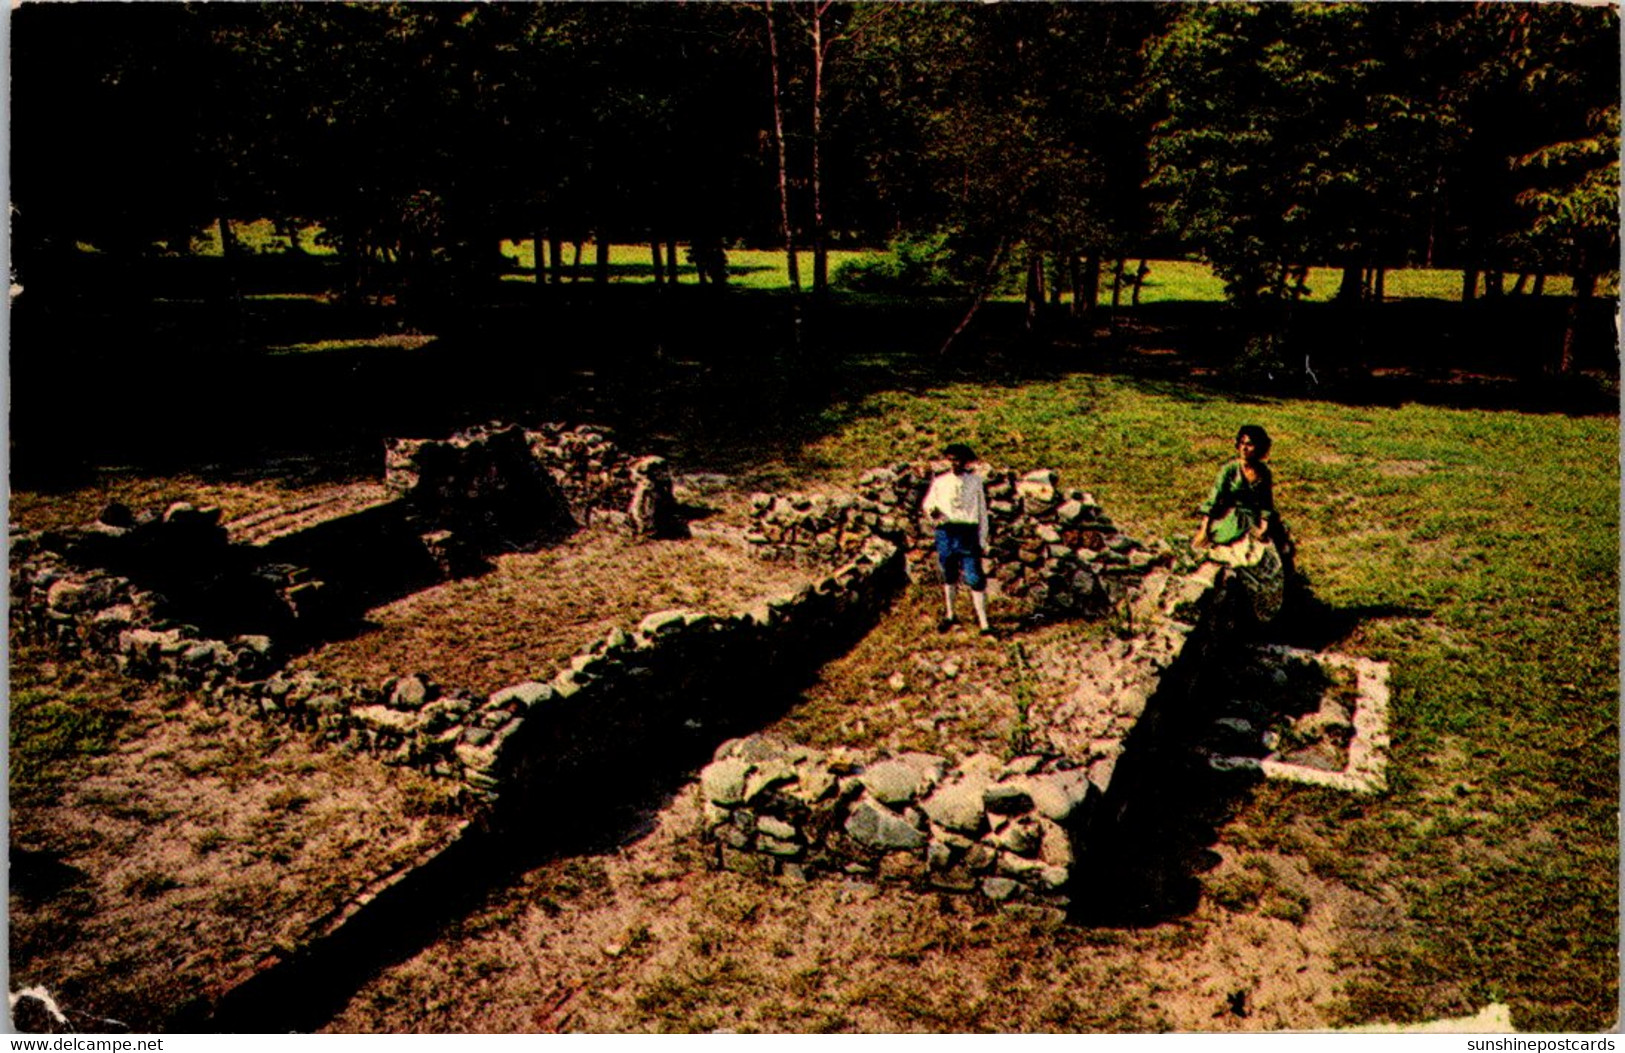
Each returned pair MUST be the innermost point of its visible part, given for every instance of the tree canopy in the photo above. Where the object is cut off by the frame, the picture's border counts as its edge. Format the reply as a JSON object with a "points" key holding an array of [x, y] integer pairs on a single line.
{"points": [[1259, 137]]}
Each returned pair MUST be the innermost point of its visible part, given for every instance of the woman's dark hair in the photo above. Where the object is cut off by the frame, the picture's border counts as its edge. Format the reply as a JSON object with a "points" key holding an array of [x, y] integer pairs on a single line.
{"points": [[1260, 437], [959, 451]]}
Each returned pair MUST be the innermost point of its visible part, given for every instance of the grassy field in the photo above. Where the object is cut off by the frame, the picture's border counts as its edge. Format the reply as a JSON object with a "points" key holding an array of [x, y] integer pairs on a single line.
{"points": [[1168, 280], [1475, 549]]}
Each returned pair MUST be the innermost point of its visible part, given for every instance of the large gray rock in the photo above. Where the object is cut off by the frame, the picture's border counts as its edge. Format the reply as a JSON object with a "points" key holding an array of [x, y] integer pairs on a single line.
{"points": [[875, 826], [773, 826], [723, 781], [528, 694], [1057, 794], [892, 782], [998, 889], [765, 776], [957, 806]]}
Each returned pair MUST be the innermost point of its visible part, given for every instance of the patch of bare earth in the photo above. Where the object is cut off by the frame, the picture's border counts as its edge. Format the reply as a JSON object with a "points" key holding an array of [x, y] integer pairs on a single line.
{"points": [[907, 686], [162, 869], [647, 939], [525, 617]]}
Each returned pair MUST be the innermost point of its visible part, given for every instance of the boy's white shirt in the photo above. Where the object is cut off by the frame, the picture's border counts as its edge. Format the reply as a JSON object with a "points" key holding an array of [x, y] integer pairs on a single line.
{"points": [[960, 499]]}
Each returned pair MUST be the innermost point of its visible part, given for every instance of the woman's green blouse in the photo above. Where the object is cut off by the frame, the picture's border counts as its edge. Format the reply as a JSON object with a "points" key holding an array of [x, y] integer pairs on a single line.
{"points": [[1236, 505]]}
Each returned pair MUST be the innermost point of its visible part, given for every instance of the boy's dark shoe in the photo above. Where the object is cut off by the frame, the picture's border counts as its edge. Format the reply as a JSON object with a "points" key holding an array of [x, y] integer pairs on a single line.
{"points": [[944, 625], [990, 632]]}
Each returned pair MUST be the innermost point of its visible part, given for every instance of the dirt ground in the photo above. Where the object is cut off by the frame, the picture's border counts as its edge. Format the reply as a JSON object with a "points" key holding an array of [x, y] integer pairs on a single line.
{"points": [[646, 938], [533, 610], [169, 863]]}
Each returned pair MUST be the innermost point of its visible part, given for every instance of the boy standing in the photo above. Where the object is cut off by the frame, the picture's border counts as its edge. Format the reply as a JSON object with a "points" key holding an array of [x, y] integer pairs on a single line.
{"points": [[957, 504]]}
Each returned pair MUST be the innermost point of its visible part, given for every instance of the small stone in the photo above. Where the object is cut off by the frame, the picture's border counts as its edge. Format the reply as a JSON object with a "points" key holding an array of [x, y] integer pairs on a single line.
{"points": [[956, 806], [892, 782], [775, 846], [723, 782], [765, 776], [410, 693], [67, 596], [897, 682], [1057, 794], [814, 782], [876, 826], [773, 826], [1023, 837], [980, 857], [1023, 765], [998, 889], [529, 694], [758, 748]]}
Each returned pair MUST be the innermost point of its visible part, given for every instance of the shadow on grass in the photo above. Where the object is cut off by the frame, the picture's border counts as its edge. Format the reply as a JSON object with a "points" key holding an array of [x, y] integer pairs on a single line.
{"points": [[598, 785], [1151, 840], [725, 378]]}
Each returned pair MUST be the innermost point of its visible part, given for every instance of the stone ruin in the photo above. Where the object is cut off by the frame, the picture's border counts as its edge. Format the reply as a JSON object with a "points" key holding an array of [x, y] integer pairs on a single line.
{"points": [[176, 597], [1051, 547]]}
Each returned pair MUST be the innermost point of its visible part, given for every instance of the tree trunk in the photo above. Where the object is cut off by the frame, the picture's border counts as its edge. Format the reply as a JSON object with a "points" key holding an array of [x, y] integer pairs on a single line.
{"points": [[791, 262], [1035, 287], [555, 258], [671, 261], [575, 265], [1540, 284], [230, 254], [600, 259], [656, 266], [1349, 289], [538, 263], [1469, 285], [1139, 281], [1057, 279], [1521, 284], [820, 250], [1379, 291], [1585, 283], [1090, 292], [1117, 284], [1494, 284], [982, 290]]}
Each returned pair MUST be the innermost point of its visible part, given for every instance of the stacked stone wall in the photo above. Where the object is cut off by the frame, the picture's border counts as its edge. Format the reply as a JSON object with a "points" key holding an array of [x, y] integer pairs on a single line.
{"points": [[1053, 548], [675, 665], [982, 825], [606, 486], [1006, 831]]}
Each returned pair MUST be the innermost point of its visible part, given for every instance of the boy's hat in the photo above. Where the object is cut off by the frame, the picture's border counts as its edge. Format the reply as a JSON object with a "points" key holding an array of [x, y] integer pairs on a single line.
{"points": [[959, 451]]}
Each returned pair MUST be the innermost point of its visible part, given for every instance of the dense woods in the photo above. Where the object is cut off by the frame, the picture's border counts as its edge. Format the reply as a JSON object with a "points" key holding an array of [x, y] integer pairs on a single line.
{"points": [[1061, 140]]}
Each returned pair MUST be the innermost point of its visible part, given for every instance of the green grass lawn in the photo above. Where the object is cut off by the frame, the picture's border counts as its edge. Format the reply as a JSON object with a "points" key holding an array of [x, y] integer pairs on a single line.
{"points": [[1477, 552], [1168, 280]]}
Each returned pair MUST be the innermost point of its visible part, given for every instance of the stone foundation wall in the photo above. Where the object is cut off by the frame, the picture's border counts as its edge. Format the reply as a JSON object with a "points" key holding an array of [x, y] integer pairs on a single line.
{"points": [[604, 485], [621, 693], [982, 825], [1052, 547], [1009, 831]]}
